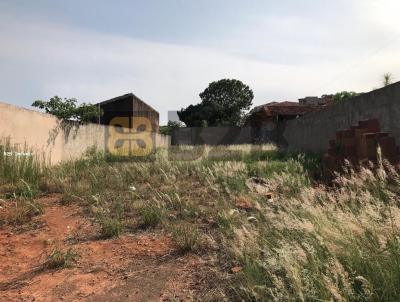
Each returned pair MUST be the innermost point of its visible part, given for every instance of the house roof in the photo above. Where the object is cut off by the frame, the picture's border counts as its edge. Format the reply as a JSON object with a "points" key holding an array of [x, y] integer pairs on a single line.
{"points": [[285, 108], [123, 97], [116, 99]]}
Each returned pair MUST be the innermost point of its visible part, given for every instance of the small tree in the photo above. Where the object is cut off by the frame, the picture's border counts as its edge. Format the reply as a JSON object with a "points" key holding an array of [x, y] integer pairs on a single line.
{"points": [[223, 103], [387, 79], [68, 110]]}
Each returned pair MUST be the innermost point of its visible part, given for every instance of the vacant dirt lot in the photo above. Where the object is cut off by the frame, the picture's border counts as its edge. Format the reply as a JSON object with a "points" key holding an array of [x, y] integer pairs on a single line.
{"points": [[140, 267]]}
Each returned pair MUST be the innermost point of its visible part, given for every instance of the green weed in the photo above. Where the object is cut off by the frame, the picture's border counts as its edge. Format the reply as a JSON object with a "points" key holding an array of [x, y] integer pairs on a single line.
{"points": [[60, 259]]}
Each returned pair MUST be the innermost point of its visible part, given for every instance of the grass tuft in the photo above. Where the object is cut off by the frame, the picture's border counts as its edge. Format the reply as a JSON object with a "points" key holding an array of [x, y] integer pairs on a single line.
{"points": [[22, 211], [186, 237], [60, 259], [151, 216], [110, 227]]}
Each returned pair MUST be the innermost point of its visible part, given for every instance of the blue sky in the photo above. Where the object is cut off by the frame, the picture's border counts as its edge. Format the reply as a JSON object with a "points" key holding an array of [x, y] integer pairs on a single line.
{"points": [[166, 52]]}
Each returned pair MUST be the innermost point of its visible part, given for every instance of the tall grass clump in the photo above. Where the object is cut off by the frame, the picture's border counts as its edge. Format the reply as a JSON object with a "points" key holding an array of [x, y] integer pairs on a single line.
{"points": [[110, 227], [374, 266], [21, 212], [151, 216], [186, 237], [17, 164]]}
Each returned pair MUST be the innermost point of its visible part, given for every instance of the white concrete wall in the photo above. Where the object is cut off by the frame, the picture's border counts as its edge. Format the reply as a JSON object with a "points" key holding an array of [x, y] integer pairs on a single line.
{"points": [[45, 134]]}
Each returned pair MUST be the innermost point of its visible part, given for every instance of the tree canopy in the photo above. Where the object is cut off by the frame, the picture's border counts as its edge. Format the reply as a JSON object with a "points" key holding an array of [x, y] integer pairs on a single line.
{"points": [[344, 96], [67, 109], [223, 104], [166, 130]]}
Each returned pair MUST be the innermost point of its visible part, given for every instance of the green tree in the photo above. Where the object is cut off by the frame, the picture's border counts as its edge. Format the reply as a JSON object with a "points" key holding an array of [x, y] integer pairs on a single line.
{"points": [[224, 103], [344, 96], [166, 130], [68, 110], [197, 115]]}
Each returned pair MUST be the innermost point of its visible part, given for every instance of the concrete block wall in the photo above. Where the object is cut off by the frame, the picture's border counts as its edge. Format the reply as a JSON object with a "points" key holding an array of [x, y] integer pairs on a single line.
{"points": [[44, 134], [221, 135], [313, 131]]}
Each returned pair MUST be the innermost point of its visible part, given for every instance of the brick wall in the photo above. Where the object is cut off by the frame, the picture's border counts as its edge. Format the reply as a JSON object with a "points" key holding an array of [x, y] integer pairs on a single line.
{"points": [[360, 143]]}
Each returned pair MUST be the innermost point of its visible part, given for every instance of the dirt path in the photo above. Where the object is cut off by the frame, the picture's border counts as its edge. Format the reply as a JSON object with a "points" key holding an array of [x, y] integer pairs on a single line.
{"points": [[142, 267]]}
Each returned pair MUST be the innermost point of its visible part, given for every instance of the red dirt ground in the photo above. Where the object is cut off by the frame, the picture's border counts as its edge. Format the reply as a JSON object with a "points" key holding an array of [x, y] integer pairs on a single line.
{"points": [[140, 267]]}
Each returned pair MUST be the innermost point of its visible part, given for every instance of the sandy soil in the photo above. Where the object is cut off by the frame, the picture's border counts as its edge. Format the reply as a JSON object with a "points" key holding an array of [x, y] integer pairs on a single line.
{"points": [[140, 267]]}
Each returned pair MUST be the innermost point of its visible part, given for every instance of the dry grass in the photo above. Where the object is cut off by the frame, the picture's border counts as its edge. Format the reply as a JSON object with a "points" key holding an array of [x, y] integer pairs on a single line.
{"points": [[310, 242], [59, 258], [18, 163], [186, 237]]}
